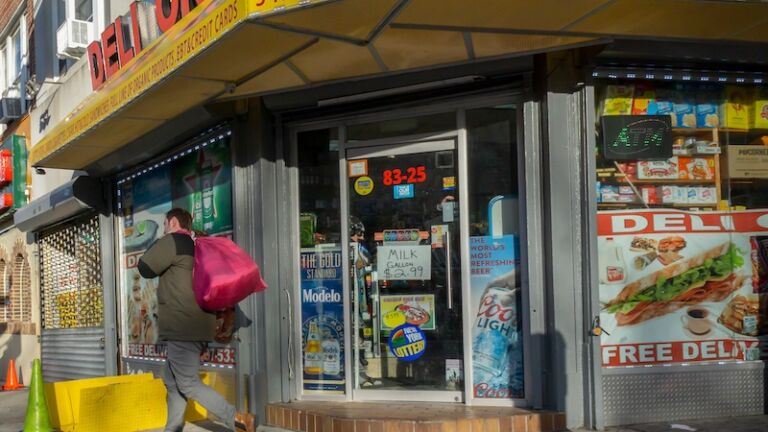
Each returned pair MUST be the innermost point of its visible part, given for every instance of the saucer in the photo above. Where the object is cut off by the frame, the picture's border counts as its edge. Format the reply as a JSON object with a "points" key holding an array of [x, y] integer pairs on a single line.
{"points": [[706, 335]]}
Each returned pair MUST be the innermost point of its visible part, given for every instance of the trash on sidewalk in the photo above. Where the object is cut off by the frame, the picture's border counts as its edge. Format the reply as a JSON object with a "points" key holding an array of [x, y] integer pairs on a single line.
{"points": [[682, 427]]}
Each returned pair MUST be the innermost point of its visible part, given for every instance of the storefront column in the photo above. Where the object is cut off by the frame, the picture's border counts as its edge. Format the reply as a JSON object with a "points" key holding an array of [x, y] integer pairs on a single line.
{"points": [[559, 86], [108, 279], [263, 345]]}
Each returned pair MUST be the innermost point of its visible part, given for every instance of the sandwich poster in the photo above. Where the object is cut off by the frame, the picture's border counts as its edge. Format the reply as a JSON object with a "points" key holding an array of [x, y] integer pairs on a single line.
{"points": [[682, 287]]}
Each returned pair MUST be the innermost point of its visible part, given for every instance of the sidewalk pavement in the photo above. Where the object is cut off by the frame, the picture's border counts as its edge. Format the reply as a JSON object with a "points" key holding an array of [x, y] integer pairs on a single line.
{"points": [[13, 409], [720, 424]]}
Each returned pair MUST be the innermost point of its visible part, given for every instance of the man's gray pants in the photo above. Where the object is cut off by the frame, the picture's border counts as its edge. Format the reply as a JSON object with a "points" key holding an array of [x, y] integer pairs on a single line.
{"points": [[181, 376]]}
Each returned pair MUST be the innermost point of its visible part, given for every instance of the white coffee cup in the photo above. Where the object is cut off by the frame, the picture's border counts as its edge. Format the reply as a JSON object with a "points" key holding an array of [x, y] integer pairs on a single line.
{"points": [[696, 320]]}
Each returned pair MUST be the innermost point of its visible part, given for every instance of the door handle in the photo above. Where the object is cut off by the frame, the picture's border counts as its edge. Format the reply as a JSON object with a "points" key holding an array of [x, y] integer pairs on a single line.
{"points": [[448, 269]]}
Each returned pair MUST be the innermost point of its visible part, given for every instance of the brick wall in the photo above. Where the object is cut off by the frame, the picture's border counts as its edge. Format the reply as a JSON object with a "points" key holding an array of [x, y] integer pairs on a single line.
{"points": [[7, 8], [30, 15]]}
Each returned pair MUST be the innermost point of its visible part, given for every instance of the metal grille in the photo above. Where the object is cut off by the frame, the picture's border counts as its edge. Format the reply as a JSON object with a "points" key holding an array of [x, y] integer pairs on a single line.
{"points": [[70, 274], [657, 397]]}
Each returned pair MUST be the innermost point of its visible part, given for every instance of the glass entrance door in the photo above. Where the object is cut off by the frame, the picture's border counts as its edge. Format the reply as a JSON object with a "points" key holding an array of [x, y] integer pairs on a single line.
{"points": [[405, 271]]}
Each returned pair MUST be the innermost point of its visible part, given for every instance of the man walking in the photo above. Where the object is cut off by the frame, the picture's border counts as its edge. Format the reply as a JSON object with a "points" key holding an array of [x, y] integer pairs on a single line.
{"points": [[184, 327]]}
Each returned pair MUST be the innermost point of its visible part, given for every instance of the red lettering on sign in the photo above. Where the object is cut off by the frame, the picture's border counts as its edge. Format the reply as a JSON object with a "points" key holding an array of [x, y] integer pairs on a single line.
{"points": [[167, 13], [96, 60], [109, 45], [665, 221], [678, 352], [124, 49]]}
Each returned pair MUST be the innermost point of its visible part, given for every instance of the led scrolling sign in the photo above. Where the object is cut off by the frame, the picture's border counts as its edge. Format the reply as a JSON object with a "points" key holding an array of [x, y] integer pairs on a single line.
{"points": [[636, 137]]}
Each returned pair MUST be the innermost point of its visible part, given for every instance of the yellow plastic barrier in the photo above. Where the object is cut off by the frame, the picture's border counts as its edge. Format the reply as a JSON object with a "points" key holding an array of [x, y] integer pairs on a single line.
{"points": [[123, 407], [115, 403], [64, 397]]}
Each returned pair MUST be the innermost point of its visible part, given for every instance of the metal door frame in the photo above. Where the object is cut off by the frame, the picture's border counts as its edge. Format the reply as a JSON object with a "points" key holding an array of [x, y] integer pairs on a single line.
{"points": [[398, 146], [531, 234]]}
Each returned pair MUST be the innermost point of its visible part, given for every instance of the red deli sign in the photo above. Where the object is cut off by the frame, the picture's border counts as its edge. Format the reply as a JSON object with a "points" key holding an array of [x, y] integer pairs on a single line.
{"points": [[662, 222], [116, 49]]}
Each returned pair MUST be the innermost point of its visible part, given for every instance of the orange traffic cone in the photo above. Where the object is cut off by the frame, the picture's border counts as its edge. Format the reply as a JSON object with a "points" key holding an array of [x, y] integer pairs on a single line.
{"points": [[11, 380]]}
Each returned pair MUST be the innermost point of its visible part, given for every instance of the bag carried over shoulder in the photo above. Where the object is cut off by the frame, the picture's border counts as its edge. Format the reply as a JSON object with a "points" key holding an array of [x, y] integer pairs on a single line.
{"points": [[224, 274]]}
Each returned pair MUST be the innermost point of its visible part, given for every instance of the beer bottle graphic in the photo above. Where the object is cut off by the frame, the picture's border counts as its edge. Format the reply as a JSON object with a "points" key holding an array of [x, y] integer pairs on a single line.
{"points": [[206, 181], [331, 354], [197, 204], [313, 351]]}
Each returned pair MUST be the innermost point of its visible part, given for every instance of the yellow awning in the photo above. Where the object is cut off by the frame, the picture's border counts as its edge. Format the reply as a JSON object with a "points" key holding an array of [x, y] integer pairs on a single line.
{"points": [[280, 44]]}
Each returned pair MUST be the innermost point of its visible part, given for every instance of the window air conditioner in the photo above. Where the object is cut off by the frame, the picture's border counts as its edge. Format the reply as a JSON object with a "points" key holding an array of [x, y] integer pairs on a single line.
{"points": [[73, 37], [10, 109]]}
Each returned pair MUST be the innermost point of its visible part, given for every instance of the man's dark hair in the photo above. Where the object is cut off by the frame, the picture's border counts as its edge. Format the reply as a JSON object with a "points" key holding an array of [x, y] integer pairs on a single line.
{"points": [[183, 216]]}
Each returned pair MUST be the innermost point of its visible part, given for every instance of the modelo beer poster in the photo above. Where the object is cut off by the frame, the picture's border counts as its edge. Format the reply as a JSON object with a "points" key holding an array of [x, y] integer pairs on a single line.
{"points": [[199, 181], [322, 315], [682, 287]]}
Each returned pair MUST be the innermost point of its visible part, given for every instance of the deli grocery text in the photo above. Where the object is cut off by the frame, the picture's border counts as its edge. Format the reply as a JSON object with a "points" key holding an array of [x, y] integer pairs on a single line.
{"points": [[651, 222]]}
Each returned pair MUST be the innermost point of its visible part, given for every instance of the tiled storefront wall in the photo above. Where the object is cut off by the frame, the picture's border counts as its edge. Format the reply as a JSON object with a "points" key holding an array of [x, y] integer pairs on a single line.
{"points": [[389, 417]]}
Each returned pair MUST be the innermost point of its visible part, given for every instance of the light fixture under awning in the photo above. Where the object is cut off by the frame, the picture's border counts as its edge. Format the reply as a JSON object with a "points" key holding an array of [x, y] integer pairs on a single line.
{"points": [[76, 196]]}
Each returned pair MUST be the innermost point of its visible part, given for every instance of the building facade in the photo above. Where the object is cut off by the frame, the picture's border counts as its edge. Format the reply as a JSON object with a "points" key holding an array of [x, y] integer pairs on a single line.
{"points": [[509, 205], [20, 304]]}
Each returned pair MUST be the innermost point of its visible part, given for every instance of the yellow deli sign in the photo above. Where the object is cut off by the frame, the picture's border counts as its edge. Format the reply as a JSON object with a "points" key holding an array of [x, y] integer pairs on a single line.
{"points": [[196, 30]]}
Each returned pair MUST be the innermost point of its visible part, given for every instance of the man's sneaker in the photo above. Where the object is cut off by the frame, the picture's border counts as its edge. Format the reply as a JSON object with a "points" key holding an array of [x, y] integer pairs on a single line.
{"points": [[245, 422]]}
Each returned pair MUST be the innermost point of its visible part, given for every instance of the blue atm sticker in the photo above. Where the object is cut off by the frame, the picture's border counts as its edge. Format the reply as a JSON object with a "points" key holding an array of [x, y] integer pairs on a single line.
{"points": [[403, 191]]}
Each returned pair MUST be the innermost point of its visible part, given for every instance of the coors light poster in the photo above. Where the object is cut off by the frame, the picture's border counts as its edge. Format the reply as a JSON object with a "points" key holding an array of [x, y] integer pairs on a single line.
{"points": [[682, 287]]}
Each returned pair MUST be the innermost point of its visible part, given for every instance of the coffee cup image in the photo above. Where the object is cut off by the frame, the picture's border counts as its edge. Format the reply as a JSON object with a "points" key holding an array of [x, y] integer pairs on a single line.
{"points": [[696, 320]]}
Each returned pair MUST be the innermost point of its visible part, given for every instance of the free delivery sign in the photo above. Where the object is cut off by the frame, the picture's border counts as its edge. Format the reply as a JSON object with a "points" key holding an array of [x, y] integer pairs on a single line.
{"points": [[682, 287]]}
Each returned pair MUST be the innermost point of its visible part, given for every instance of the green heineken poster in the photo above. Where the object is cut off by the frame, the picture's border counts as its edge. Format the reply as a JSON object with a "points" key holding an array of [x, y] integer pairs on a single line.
{"points": [[202, 183]]}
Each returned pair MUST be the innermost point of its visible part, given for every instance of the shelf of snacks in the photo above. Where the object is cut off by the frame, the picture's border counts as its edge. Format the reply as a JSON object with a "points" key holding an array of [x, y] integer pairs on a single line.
{"points": [[716, 131], [639, 204], [671, 181], [680, 182]]}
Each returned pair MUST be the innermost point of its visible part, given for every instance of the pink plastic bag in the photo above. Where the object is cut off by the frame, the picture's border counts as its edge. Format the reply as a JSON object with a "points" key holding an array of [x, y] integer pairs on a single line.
{"points": [[223, 274]]}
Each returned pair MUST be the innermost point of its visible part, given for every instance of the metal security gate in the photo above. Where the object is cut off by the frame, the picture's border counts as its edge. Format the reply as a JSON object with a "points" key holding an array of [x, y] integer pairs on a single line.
{"points": [[72, 301]]}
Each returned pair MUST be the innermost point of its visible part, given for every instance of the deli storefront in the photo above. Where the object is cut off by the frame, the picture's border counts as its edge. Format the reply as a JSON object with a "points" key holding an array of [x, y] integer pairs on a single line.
{"points": [[447, 210]]}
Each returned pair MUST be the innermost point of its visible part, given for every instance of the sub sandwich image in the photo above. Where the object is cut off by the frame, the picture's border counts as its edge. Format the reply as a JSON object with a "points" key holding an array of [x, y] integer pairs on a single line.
{"points": [[708, 277]]}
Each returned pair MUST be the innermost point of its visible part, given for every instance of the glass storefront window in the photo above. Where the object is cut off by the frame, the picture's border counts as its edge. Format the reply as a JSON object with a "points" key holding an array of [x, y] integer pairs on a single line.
{"points": [[682, 175], [406, 244], [322, 304], [197, 179], [497, 340]]}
